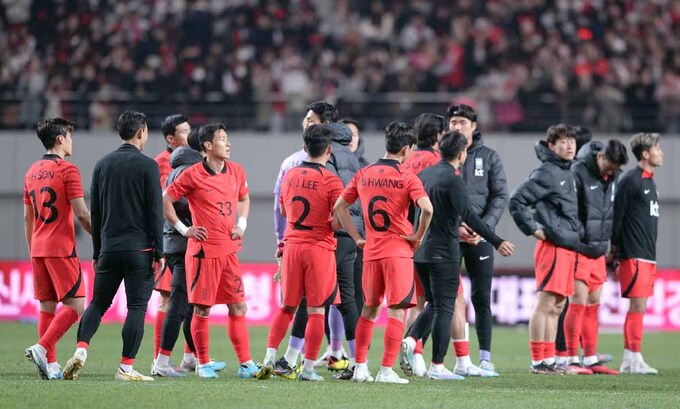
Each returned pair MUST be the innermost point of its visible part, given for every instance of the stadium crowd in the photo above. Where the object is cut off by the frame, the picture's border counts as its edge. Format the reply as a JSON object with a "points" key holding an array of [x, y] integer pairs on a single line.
{"points": [[611, 65]]}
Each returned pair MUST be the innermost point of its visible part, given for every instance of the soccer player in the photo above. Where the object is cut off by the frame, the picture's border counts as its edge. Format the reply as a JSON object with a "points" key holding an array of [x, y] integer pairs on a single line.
{"points": [[429, 129], [127, 238], [437, 259], [636, 218], [596, 169], [52, 194], [308, 194], [175, 130], [217, 192], [485, 180], [386, 192], [546, 206]]}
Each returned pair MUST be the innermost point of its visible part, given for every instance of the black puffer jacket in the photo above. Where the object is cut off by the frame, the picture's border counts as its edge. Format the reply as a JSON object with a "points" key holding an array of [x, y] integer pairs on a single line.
{"points": [[595, 199], [486, 183], [547, 200], [344, 163], [181, 159], [359, 153]]}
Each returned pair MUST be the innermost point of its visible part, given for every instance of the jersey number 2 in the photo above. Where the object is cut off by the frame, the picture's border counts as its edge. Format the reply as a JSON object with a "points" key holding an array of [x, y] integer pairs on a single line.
{"points": [[305, 212]]}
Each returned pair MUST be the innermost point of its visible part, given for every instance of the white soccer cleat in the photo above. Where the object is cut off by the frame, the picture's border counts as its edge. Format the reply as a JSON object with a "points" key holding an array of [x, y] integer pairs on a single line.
{"points": [[626, 366], [75, 364], [641, 368], [406, 356], [488, 366], [390, 377], [474, 371], [37, 355], [362, 374], [443, 375], [419, 365], [132, 376]]}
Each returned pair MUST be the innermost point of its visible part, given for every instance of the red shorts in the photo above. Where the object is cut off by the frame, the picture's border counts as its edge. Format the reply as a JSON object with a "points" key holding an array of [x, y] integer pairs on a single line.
{"points": [[554, 267], [419, 287], [592, 271], [308, 269], [637, 278], [212, 281], [391, 278], [162, 280], [57, 278]]}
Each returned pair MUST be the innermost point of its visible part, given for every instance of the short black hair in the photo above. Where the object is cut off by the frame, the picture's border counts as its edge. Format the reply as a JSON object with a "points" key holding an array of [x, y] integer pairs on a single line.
{"points": [[352, 121], [641, 142], [427, 127], [616, 152], [207, 132], [451, 145], [170, 123], [466, 111], [326, 112], [398, 135], [49, 128], [193, 141], [558, 131], [317, 139], [129, 122], [583, 136]]}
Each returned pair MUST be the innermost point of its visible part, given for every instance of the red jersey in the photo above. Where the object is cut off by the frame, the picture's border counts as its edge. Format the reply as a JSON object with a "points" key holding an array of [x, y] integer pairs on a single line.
{"points": [[308, 193], [163, 161], [385, 193], [49, 186], [213, 199], [419, 160]]}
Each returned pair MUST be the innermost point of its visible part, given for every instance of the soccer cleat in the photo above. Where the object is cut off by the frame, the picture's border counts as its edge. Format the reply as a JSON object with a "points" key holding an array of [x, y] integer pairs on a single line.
{"points": [[75, 364], [217, 365], [443, 375], [55, 371], [345, 375], [153, 367], [335, 364], [283, 370], [626, 366], [406, 358], [474, 371], [167, 372], [577, 369], [604, 358], [37, 355], [419, 366], [265, 372], [641, 368], [247, 371], [545, 369], [390, 377], [131, 376], [206, 371], [362, 375], [323, 360], [309, 376], [599, 369], [489, 367]]}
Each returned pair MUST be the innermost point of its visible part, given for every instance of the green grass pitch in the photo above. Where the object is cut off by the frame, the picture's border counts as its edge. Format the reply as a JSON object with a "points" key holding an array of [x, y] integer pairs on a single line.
{"points": [[20, 386]]}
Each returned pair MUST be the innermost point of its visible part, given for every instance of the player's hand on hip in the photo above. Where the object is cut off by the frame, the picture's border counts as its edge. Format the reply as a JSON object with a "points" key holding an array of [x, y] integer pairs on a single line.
{"points": [[94, 265], [158, 265], [237, 233], [360, 243], [414, 240], [199, 233], [278, 254], [540, 234], [506, 249]]}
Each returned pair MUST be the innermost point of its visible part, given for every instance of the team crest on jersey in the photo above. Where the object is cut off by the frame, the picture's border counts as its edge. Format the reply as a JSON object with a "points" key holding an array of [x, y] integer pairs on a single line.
{"points": [[479, 167]]}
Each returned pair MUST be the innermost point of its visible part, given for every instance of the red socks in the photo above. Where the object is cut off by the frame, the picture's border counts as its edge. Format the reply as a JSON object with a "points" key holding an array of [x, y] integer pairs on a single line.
{"points": [[127, 361], [314, 334], [462, 348], [589, 330], [44, 320], [572, 327], [419, 347], [393, 336], [549, 349], [187, 349], [279, 327], [82, 344], [632, 331], [536, 348], [61, 323], [158, 333], [200, 331], [363, 335], [240, 339]]}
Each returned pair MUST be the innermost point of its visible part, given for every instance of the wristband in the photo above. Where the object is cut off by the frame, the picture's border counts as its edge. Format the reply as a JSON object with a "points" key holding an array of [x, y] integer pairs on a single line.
{"points": [[242, 223], [181, 228]]}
